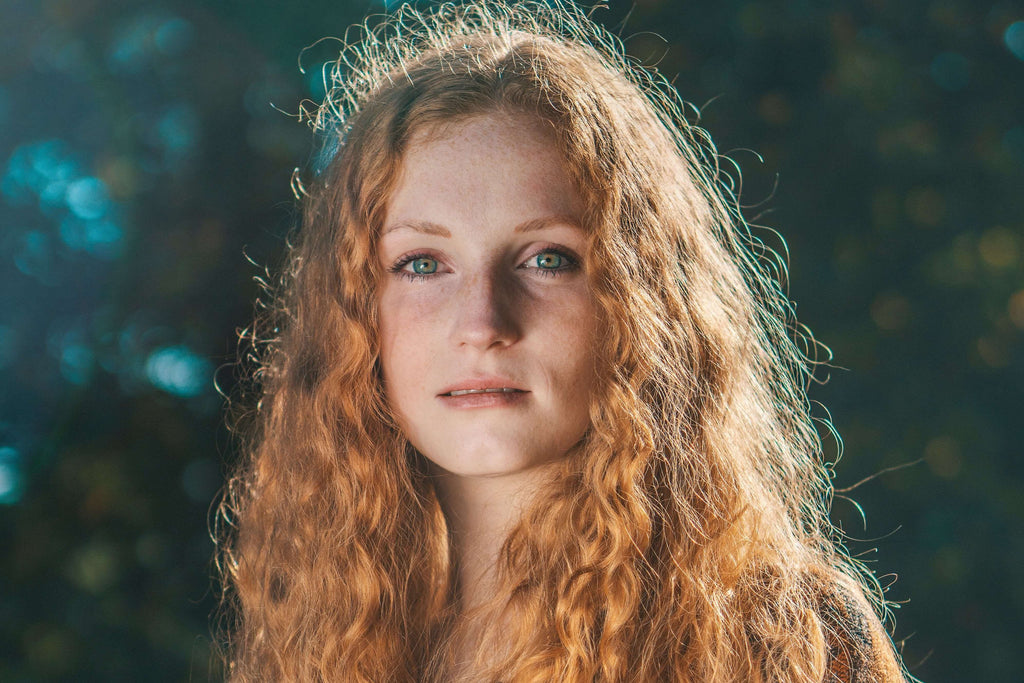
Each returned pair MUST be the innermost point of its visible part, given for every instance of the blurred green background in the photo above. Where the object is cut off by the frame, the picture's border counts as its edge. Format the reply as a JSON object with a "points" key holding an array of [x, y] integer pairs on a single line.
{"points": [[143, 155]]}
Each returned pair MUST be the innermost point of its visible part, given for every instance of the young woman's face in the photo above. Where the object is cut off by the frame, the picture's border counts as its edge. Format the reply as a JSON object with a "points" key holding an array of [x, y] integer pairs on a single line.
{"points": [[487, 321]]}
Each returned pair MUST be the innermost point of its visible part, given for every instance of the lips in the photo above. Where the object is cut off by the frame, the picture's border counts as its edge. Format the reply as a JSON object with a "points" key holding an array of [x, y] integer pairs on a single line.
{"points": [[464, 392], [483, 385]]}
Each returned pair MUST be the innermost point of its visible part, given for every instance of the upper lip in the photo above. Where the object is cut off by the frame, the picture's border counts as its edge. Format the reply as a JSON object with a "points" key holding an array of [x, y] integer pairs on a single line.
{"points": [[479, 383]]}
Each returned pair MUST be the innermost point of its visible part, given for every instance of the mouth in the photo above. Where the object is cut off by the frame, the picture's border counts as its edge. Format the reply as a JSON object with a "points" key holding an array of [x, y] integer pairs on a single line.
{"points": [[482, 384], [495, 390], [476, 397]]}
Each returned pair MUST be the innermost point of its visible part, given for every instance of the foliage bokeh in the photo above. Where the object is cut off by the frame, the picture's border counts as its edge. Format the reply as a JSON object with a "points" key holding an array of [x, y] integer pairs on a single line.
{"points": [[145, 157]]}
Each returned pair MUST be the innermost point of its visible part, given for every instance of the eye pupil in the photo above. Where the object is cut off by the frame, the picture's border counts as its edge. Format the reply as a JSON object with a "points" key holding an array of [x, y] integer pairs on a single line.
{"points": [[424, 266], [549, 260]]}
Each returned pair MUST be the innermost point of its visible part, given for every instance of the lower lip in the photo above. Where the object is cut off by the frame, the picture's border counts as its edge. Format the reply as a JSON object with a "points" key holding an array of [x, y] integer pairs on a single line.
{"points": [[490, 400]]}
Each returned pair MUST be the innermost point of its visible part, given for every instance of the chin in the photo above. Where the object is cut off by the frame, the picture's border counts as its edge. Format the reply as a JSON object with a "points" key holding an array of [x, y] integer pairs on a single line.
{"points": [[489, 463]]}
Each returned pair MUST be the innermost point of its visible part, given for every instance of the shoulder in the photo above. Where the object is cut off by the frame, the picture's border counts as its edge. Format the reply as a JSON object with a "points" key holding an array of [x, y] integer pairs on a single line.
{"points": [[859, 649]]}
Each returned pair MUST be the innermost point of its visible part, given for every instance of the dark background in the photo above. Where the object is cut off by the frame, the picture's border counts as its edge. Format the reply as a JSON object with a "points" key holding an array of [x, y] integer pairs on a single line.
{"points": [[140, 159]]}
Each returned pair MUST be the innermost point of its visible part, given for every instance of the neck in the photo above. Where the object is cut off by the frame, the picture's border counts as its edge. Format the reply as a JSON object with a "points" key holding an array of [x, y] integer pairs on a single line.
{"points": [[481, 512]]}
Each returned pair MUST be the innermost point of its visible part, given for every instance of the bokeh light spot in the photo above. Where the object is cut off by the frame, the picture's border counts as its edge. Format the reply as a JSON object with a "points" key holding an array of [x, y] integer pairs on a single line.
{"points": [[173, 36], [891, 312], [51, 649], [926, 206], [129, 51], [951, 71], [34, 256], [50, 160], [999, 248], [177, 128], [177, 132], [88, 198], [943, 456], [40, 169], [67, 342], [95, 567], [178, 371], [101, 238], [1015, 308], [10, 476], [994, 351], [1014, 37], [76, 362]]}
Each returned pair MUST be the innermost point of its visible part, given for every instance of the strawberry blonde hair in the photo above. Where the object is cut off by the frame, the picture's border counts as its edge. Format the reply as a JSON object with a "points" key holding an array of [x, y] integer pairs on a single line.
{"points": [[685, 538]]}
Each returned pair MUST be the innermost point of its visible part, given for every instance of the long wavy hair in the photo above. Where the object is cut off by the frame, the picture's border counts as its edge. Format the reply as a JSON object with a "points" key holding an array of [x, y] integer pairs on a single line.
{"points": [[686, 538]]}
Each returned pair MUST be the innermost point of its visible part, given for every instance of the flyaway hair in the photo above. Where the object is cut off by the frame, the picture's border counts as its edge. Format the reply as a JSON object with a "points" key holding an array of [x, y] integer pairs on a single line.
{"points": [[685, 538]]}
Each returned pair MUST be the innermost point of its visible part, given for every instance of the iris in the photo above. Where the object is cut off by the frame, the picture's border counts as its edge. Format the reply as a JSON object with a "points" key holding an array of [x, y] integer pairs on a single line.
{"points": [[549, 260], [424, 266]]}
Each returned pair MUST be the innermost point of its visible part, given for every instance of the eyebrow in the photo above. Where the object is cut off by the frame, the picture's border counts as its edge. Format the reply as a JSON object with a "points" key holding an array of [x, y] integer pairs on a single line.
{"points": [[430, 228]]}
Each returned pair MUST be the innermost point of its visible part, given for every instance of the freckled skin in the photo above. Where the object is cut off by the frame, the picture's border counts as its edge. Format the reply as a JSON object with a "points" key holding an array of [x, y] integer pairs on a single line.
{"points": [[493, 301]]}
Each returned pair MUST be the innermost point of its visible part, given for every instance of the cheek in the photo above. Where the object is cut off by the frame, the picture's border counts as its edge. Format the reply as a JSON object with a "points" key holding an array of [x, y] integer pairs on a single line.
{"points": [[392, 354], [572, 329], [404, 327]]}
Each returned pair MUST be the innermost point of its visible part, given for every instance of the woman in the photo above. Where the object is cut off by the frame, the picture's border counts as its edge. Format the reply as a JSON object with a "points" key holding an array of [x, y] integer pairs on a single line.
{"points": [[531, 409]]}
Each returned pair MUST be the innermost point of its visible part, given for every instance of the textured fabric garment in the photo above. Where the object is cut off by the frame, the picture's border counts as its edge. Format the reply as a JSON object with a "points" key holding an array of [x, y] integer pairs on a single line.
{"points": [[859, 650]]}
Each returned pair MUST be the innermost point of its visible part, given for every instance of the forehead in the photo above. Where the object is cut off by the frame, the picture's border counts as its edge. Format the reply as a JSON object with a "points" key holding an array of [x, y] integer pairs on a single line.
{"points": [[495, 171], [485, 121], [488, 168]]}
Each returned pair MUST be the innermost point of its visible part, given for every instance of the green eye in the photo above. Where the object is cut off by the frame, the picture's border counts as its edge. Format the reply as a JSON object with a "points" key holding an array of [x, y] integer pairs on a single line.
{"points": [[549, 260], [424, 266]]}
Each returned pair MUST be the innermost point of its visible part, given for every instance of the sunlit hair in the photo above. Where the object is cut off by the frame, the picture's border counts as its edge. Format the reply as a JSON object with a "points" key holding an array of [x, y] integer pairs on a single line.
{"points": [[686, 538]]}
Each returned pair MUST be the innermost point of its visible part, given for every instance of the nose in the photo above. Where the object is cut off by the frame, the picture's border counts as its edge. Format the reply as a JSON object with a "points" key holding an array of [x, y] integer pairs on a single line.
{"points": [[485, 312]]}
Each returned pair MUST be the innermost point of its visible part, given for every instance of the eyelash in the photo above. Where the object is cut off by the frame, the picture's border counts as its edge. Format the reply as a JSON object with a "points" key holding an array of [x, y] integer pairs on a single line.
{"points": [[399, 266]]}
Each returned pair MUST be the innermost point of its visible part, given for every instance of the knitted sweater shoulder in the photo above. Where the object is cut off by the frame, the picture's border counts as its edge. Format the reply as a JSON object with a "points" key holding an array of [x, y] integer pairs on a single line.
{"points": [[859, 649]]}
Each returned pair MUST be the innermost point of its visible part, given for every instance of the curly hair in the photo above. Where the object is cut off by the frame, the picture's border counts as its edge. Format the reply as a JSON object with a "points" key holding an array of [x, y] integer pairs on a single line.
{"points": [[686, 538]]}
